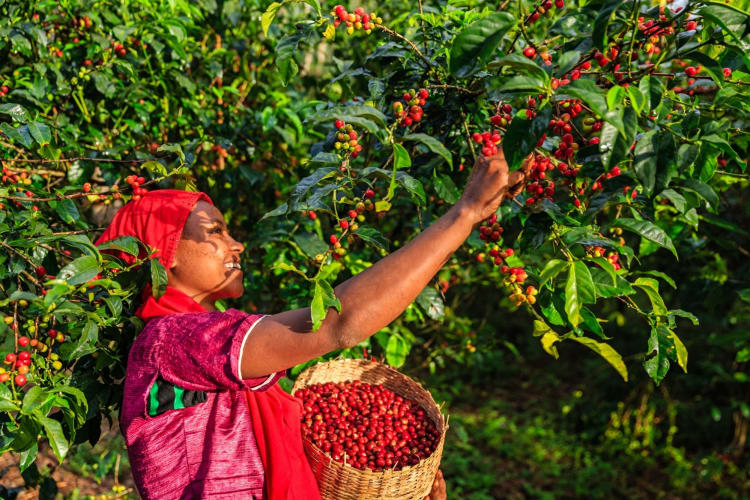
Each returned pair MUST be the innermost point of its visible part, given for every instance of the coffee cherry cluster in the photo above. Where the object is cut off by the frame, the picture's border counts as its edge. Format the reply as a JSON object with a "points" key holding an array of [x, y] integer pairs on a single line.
{"points": [[410, 111], [537, 185], [567, 147], [519, 296], [119, 49], [612, 257], [490, 230], [347, 140], [503, 116], [489, 141], [4, 90], [366, 425], [359, 20], [544, 8]]}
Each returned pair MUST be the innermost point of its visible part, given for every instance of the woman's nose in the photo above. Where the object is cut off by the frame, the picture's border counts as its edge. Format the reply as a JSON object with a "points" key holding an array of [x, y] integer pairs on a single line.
{"points": [[236, 246]]}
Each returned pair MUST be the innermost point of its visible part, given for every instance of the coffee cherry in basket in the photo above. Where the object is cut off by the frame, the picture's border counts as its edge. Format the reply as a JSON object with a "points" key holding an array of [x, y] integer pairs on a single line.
{"points": [[366, 426]]}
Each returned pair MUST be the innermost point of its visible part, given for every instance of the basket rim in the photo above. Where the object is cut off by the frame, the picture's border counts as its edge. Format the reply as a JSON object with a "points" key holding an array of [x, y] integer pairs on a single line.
{"points": [[443, 420]]}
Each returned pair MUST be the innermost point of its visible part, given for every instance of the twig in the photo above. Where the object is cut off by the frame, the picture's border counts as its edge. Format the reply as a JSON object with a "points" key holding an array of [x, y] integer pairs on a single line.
{"points": [[455, 87], [56, 173], [61, 160], [468, 137], [80, 231], [402, 37]]}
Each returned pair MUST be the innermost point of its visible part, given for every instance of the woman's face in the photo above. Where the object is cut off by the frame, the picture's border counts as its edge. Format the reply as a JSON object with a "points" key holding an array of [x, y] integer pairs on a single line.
{"points": [[206, 265]]}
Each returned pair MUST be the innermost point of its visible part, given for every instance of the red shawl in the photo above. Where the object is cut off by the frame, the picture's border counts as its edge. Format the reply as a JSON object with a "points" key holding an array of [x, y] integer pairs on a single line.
{"points": [[157, 220]]}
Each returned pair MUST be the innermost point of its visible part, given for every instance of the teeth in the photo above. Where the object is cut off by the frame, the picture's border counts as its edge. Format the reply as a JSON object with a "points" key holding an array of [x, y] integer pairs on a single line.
{"points": [[232, 265]]}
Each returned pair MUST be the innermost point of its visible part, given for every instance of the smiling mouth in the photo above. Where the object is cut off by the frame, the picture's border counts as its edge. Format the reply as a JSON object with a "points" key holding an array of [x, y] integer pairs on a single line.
{"points": [[233, 266]]}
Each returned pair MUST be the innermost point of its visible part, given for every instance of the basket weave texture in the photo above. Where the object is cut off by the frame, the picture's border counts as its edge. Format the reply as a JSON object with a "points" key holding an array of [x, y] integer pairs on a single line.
{"points": [[338, 481]]}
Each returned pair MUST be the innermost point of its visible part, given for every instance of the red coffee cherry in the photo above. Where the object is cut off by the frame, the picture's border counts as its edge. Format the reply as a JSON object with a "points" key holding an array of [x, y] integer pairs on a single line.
{"points": [[20, 380], [529, 52], [23, 341]]}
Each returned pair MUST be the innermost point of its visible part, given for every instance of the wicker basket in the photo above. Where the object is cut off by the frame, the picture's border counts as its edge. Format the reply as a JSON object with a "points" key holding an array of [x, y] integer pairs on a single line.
{"points": [[339, 481]]}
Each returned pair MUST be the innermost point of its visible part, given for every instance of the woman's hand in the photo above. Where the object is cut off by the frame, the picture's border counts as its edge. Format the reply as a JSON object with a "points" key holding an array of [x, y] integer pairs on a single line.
{"points": [[438, 488], [490, 183]]}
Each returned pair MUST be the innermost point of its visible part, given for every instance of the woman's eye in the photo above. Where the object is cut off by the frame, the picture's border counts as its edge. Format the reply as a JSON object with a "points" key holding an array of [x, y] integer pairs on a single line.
{"points": [[216, 230]]}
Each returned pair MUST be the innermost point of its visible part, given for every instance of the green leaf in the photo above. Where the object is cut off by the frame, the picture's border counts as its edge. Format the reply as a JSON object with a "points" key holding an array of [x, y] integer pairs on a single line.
{"points": [[268, 16], [27, 456], [647, 230], [413, 186], [605, 16], [704, 190], [637, 99], [323, 299], [615, 96], [477, 43], [645, 161], [523, 136], [400, 157], [744, 294], [55, 435], [607, 267], [446, 189], [657, 364], [680, 350], [80, 270], [396, 350], [18, 134], [349, 114], [372, 235], [520, 82], [158, 278], [730, 19], [310, 243], [663, 276], [591, 322], [35, 398], [522, 64], [66, 209], [85, 345], [651, 287], [432, 144], [312, 180], [172, 148], [548, 340], [15, 111], [40, 132], [615, 144], [552, 269], [607, 352], [588, 91], [579, 289], [127, 244], [431, 303], [679, 201]]}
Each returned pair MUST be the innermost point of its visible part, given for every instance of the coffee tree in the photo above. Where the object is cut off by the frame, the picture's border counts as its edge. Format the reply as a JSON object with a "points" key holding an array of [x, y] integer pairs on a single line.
{"points": [[329, 136], [623, 114]]}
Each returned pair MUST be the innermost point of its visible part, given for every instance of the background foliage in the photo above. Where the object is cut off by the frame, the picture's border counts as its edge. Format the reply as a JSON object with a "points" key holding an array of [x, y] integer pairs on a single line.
{"points": [[239, 99]]}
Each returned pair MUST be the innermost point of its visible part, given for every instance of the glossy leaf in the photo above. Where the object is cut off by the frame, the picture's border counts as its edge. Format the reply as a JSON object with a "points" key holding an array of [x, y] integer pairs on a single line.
{"points": [[432, 144], [476, 44], [647, 230], [323, 299], [607, 352]]}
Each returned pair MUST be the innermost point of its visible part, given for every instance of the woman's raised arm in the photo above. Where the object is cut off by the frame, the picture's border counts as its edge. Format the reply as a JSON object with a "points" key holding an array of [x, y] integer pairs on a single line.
{"points": [[378, 295]]}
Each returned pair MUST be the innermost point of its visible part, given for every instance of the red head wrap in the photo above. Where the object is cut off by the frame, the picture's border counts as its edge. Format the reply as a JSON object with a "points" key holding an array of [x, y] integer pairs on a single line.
{"points": [[157, 219]]}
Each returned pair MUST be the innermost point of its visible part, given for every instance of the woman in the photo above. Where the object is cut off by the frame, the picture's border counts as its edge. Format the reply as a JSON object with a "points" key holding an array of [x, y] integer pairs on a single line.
{"points": [[202, 414]]}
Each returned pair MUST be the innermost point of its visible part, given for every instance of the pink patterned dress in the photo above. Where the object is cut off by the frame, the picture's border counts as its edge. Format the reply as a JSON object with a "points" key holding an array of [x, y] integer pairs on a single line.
{"points": [[184, 416]]}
